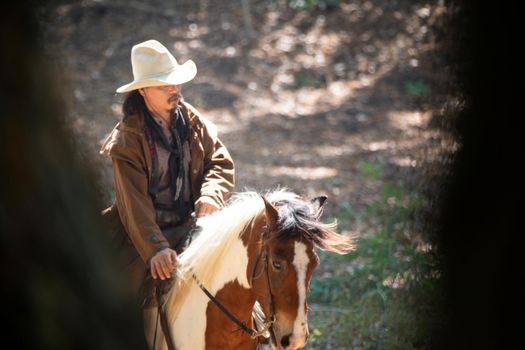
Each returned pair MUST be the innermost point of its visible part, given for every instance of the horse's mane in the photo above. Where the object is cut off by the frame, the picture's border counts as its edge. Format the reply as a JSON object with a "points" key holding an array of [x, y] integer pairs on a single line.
{"points": [[216, 235], [218, 232], [300, 219], [210, 245]]}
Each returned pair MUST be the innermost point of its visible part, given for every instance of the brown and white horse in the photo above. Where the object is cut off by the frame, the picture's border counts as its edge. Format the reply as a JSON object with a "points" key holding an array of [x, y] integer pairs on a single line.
{"points": [[255, 249]]}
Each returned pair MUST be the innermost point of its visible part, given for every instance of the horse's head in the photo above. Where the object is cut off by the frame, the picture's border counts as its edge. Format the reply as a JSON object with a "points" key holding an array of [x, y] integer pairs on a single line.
{"points": [[291, 230]]}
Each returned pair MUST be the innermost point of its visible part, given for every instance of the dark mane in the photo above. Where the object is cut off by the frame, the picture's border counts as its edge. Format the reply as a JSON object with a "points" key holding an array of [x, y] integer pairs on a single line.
{"points": [[299, 219]]}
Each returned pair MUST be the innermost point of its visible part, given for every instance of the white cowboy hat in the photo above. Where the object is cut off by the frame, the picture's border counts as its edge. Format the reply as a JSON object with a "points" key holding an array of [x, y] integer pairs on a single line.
{"points": [[154, 65]]}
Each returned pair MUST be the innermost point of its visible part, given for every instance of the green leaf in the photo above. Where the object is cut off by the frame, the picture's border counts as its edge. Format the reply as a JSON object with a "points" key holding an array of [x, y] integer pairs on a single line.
{"points": [[416, 87]]}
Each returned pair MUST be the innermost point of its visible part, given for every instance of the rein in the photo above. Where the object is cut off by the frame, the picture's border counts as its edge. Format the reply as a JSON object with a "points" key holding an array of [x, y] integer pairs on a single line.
{"points": [[163, 321], [254, 334]]}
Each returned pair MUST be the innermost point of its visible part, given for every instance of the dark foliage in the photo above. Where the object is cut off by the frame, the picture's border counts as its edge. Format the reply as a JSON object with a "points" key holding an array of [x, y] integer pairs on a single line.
{"points": [[478, 228]]}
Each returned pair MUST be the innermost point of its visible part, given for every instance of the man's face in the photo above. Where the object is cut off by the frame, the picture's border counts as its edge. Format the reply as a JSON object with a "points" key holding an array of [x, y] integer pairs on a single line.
{"points": [[162, 98]]}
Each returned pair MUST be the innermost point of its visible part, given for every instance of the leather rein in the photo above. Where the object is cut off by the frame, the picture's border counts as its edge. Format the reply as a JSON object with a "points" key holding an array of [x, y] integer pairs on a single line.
{"points": [[254, 334]]}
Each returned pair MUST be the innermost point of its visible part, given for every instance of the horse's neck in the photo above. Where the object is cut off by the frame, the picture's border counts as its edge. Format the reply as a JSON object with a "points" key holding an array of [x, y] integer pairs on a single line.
{"points": [[198, 323], [232, 268], [239, 302], [240, 259], [237, 297]]}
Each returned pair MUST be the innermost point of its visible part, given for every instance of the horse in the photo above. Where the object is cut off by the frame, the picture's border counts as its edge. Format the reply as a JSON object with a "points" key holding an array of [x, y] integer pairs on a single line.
{"points": [[258, 250]]}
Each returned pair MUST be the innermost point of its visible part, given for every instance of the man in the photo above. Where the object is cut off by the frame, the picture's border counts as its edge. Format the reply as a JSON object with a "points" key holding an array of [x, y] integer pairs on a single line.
{"points": [[167, 161]]}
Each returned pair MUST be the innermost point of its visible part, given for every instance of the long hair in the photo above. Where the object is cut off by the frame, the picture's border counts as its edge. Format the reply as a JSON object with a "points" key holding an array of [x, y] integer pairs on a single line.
{"points": [[133, 103]]}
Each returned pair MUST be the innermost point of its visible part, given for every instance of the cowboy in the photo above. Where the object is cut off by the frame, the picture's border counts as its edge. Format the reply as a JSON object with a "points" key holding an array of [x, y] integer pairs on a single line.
{"points": [[168, 163]]}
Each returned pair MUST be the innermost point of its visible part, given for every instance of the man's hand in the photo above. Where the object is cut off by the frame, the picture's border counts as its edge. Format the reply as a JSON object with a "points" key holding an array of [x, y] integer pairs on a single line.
{"points": [[163, 263], [205, 206]]}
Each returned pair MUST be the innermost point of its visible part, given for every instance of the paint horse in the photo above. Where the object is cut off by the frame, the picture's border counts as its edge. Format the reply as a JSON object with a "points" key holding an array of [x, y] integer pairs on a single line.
{"points": [[256, 249]]}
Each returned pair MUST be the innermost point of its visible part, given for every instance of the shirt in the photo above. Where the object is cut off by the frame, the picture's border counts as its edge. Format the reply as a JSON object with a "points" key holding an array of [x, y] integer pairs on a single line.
{"points": [[164, 198]]}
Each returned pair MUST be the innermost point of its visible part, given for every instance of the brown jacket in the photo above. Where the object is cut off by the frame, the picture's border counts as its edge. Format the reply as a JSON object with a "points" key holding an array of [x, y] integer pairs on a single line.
{"points": [[211, 175]]}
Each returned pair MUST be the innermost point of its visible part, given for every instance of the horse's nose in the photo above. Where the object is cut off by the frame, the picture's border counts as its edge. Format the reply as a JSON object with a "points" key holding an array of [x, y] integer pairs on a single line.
{"points": [[285, 341], [291, 342]]}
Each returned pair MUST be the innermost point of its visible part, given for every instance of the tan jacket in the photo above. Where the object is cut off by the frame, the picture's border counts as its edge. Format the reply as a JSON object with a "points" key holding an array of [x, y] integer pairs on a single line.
{"points": [[211, 175]]}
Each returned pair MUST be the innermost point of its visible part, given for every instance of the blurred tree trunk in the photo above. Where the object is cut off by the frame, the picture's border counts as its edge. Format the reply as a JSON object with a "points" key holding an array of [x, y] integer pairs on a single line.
{"points": [[480, 227], [60, 286]]}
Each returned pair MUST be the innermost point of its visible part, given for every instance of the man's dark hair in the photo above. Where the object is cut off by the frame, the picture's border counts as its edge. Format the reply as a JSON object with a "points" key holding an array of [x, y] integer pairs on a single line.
{"points": [[133, 103]]}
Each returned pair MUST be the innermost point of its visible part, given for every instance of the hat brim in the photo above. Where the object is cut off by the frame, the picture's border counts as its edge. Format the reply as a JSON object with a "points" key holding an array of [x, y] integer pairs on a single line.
{"points": [[180, 75]]}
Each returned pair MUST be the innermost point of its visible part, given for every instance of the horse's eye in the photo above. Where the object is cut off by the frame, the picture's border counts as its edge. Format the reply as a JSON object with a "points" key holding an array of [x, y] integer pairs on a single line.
{"points": [[276, 265]]}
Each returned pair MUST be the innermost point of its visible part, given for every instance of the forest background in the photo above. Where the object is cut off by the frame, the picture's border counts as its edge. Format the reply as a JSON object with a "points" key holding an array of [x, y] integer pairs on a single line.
{"points": [[359, 100]]}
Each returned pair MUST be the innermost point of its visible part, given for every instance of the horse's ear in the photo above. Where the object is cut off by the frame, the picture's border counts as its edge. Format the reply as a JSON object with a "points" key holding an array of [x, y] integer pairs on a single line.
{"points": [[318, 203], [272, 215]]}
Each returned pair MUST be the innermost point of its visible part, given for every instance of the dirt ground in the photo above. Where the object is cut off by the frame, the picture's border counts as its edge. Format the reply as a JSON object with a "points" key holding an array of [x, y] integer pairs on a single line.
{"points": [[302, 98]]}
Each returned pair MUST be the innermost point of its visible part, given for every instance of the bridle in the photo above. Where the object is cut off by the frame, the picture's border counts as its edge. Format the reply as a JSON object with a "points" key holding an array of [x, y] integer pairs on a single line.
{"points": [[263, 255]]}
